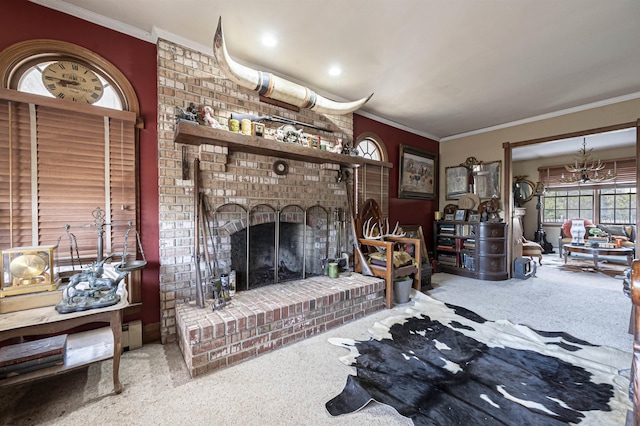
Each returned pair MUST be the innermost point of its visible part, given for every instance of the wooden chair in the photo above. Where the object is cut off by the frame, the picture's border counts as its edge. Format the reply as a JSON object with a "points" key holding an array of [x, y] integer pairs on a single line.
{"points": [[371, 210], [389, 272]]}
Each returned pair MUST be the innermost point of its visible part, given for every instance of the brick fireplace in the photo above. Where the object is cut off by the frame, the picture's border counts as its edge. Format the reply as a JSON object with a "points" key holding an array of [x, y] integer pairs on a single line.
{"points": [[265, 317]]}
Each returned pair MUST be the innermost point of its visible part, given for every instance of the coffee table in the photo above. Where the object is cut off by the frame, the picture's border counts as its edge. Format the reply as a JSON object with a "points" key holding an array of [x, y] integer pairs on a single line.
{"points": [[597, 251]]}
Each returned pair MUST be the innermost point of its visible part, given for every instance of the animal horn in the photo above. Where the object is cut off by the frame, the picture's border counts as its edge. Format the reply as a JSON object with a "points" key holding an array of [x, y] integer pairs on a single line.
{"points": [[272, 86]]}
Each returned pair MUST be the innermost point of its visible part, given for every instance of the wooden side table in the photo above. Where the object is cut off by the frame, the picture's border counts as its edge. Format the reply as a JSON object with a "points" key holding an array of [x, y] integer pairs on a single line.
{"points": [[83, 348]]}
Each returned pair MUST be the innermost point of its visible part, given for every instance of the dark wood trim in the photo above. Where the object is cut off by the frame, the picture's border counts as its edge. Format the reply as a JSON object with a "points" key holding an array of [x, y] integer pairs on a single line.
{"points": [[151, 333], [191, 133], [30, 98], [572, 134], [508, 205]]}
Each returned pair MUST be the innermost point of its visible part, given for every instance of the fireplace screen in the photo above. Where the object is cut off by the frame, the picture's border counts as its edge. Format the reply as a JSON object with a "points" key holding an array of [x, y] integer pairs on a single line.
{"points": [[265, 245]]}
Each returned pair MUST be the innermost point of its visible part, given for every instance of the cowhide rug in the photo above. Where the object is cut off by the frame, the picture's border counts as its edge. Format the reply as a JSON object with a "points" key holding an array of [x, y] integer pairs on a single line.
{"points": [[441, 364]]}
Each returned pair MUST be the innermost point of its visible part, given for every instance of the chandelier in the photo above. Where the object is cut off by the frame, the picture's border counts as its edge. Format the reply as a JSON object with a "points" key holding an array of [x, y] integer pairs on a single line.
{"points": [[584, 169]]}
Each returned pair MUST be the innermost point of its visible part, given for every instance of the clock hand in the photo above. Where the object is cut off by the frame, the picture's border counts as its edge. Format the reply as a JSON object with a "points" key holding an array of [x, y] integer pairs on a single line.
{"points": [[65, 82]]}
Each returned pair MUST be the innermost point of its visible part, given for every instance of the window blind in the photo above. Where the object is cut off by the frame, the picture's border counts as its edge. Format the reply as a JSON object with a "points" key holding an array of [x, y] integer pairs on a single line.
{"points": [[625, 168], [57, 165]]}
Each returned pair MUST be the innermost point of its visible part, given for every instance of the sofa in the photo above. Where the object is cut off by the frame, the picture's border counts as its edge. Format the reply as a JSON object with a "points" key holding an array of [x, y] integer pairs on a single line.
{"points": [[626, 233]]}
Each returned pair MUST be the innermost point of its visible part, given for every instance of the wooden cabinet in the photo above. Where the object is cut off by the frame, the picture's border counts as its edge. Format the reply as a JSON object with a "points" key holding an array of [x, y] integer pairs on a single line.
{"points": [[472, 249]]}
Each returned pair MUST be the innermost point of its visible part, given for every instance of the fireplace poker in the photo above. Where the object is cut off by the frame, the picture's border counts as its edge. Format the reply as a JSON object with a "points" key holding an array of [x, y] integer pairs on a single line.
{"points": [[366, 270], [218, 301], [196, 232]]}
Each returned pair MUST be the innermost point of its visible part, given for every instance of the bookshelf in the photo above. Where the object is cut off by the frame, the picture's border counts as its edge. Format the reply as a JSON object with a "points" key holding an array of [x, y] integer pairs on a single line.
{"points": [[472, 249]]}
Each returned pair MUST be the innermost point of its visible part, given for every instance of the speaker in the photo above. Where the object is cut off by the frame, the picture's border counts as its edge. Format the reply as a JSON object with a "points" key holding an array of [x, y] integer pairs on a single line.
{"points": [[524, 268]]}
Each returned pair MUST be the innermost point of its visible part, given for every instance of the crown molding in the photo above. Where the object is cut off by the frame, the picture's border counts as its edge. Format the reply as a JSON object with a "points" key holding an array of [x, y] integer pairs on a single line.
{"points": [[396, 125], [560, 113], [84, 14]]}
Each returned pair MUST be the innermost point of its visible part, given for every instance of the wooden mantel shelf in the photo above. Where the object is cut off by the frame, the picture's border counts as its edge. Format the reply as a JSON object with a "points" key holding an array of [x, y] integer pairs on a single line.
{"points": [[191, 133]]}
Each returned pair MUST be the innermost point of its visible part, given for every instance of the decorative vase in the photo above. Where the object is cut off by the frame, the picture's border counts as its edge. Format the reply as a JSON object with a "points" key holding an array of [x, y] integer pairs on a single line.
{"points": [[578, 232]]}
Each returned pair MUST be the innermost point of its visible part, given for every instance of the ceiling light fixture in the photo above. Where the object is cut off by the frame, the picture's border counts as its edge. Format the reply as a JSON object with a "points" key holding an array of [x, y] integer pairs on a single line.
{"points": [[334, 71], [269, 40], [585, 169]]}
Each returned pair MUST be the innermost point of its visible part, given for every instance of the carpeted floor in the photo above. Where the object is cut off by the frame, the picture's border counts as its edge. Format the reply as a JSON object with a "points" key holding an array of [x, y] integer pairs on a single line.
{"points": [[290, 386]]}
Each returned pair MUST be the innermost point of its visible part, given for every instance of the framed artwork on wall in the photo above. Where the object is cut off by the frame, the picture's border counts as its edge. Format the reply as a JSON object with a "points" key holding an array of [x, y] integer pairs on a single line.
{"points": [[418, 171], [487, 180], [457, 182]]}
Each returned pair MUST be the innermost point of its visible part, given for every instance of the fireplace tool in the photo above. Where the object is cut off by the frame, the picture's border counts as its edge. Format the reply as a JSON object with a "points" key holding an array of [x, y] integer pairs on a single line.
{"points": [[366, 270], [196, 232], [219, 300]]}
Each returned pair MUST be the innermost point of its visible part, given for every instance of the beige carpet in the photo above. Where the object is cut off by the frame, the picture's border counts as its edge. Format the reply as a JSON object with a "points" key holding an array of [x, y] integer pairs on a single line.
{"points": [[290, 386]]}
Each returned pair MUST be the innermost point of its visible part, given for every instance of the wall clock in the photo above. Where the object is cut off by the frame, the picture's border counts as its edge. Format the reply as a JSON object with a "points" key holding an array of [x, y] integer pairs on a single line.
{"points": [[73, 81]]}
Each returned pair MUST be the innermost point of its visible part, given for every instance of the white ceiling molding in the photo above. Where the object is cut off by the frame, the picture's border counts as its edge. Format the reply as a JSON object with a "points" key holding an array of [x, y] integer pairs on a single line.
{"points": [[396, 125], [598, 104], [95, 18]]}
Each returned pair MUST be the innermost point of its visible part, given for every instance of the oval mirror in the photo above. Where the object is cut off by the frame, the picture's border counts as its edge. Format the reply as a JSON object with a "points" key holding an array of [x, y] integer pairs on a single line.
{"points": [[523, 191]]}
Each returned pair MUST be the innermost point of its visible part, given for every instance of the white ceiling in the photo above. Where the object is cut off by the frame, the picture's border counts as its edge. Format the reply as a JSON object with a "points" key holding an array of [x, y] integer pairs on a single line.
{"points": [[438, 68]]}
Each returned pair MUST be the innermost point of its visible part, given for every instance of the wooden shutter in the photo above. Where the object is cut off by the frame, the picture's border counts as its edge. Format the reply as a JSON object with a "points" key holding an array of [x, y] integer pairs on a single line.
{"points": [[64, 165], [374, 183]]}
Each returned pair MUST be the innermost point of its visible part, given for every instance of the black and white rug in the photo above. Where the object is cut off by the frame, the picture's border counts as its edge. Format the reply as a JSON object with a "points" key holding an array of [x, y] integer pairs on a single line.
{"points": [[441, 364]]}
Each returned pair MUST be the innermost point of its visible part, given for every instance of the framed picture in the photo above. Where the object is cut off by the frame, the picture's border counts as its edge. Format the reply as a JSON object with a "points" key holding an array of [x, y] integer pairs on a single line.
{"points": [[475, 217], [449, 216], [457, 182], [487, 180], [461, 214], [418, 171]]}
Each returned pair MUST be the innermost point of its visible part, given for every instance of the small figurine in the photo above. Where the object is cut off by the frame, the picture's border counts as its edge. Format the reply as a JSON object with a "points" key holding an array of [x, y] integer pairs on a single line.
{"points": [[209, 119], [338, 146]]}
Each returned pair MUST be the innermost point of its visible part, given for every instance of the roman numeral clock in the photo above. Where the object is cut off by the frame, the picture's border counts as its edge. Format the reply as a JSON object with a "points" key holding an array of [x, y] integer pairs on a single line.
{"points": [[70, 80]]}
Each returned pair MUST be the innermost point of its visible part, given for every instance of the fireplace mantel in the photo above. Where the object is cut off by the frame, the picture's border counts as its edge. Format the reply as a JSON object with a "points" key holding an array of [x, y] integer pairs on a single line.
{"points": [[190, 133]]}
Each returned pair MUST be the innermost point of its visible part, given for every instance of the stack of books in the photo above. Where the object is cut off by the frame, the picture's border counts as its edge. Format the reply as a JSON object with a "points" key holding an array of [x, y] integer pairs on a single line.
{"points": [[30, 356]]}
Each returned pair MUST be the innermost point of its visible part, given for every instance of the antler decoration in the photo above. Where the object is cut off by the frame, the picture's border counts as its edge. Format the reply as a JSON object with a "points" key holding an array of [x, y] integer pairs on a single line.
{"points": [[369, 231]]}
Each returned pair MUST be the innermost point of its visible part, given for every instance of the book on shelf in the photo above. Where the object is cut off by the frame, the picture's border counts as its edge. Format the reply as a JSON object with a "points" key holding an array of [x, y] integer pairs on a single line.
{"points": [[31, 365], [447, 259], [465, 230], [33, 350], [468, 262]]}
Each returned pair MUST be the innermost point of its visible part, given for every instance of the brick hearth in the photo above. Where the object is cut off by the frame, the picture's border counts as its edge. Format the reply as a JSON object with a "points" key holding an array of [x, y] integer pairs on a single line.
{"points": [[266, 318]]}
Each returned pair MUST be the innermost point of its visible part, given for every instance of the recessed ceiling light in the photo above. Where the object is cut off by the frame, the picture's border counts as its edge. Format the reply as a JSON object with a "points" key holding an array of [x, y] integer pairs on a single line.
{"points": [[269, 40], [335, 70]]}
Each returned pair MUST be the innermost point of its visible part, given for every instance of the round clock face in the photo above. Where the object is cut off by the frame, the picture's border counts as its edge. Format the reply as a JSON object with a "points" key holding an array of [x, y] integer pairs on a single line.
{"points": [[72, 81], [27, 266]]}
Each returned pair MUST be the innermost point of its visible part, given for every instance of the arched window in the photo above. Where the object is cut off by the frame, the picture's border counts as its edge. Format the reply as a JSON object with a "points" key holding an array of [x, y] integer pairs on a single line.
{"points": [[35, 80], [374, 177], [367, 148], [67, 146]]}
